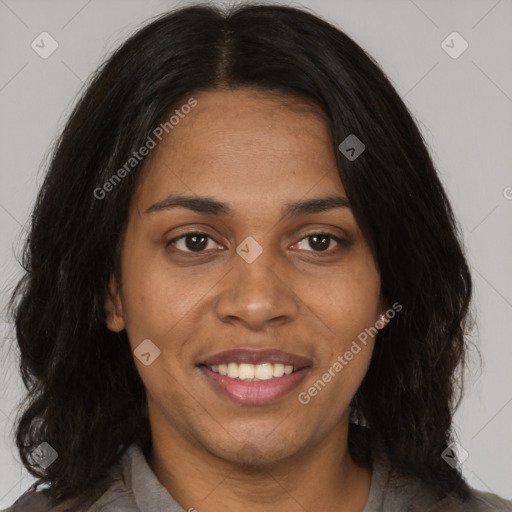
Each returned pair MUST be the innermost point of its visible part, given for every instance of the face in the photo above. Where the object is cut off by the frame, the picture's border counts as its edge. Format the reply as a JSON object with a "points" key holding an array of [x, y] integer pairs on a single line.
{"points": [[256, 287]]}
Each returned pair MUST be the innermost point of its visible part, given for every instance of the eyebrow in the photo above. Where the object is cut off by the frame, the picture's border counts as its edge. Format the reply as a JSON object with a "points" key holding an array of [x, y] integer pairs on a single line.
{"points": [[210, 206]]}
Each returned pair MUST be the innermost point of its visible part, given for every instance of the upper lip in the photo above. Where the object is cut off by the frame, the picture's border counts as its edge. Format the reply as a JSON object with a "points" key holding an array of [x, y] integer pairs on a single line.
{"points": [[250, 356]]}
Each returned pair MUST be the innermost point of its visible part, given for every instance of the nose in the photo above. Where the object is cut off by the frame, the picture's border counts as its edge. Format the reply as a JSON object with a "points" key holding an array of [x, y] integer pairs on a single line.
{"points": [[258, 293]]}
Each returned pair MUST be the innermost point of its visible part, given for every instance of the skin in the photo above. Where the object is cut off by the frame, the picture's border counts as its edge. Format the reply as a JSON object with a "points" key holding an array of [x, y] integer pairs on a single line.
{"points": [[255, 151]]}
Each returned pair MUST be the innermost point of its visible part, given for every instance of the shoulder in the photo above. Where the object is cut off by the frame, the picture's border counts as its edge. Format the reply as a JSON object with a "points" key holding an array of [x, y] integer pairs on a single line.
{"points": [[409, 493], [113, 499], [32, 500], [483, 501], [394, 490], [108, 495], [478, 501]]}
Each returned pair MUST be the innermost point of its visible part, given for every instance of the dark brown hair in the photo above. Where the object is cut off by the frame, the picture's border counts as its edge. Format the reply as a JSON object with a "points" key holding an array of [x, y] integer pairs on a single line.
{"points": [[85, 397]]}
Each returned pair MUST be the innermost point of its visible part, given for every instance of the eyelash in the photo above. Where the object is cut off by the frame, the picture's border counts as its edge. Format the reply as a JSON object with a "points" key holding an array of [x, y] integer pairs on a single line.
{"points": [[343, 243]]}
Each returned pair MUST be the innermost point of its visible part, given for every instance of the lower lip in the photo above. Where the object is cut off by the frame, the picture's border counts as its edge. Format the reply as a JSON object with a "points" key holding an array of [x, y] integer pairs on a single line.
{"points": [[254, 392]]}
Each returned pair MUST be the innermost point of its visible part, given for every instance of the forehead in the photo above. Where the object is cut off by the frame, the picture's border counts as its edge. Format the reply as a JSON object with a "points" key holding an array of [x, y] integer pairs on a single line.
{"points": [[244, 145]]}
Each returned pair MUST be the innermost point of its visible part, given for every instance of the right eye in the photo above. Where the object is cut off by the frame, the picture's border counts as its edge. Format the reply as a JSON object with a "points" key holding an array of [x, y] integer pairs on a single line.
{"points": [[193, 241]]}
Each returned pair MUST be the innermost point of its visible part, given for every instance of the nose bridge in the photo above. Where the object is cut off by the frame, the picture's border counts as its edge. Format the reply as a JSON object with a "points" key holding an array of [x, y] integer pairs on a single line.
{"points": [[256, 291], [256, 264]]}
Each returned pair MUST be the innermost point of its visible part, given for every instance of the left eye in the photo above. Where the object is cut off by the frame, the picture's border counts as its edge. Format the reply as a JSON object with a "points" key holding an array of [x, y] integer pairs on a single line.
{"points": [[321, 241], [198, 241]]}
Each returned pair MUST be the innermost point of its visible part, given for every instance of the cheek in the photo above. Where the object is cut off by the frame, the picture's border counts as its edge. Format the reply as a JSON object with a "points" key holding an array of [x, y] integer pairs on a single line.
{"points": [[153, 298], [344, 356], [148, 297], [347, 306], [163, 306], [348, 302]]}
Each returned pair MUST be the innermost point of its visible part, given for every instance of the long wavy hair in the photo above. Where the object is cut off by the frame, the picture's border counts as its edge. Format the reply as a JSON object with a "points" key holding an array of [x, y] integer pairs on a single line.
{"points": [[84, 395]]}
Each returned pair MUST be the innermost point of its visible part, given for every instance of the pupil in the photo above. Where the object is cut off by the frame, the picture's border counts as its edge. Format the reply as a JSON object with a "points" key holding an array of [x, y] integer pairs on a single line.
{"points": [[194, 246], [323, 245]]}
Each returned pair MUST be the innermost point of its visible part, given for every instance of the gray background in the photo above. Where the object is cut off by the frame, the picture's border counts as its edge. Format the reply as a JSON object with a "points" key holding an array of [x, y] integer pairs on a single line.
{"points": [[463, 107]]}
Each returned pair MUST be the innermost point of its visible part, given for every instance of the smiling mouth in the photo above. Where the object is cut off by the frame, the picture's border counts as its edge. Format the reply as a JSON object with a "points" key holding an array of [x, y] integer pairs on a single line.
{"points": [[254, 377], [253, 372]]}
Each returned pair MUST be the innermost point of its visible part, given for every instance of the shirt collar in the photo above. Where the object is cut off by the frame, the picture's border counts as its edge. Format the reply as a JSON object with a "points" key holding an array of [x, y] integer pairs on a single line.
{"points": [[150, 495]]}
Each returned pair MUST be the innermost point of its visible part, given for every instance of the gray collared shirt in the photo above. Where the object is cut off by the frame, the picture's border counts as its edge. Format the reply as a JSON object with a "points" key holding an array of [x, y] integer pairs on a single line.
{"points": [[133, 487]]}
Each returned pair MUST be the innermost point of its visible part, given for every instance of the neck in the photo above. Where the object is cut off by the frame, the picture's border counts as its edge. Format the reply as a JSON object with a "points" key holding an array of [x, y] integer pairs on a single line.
{"points": [[324, 477]]}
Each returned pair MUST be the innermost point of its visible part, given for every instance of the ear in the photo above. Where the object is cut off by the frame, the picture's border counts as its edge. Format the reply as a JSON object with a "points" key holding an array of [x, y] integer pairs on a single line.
{"points": [[114, 307]]}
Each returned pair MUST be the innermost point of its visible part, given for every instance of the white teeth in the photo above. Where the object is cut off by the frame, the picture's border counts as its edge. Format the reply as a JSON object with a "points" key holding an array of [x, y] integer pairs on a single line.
{"points": [[278, 370], [232, 370], [264, 371], [246, 371]]}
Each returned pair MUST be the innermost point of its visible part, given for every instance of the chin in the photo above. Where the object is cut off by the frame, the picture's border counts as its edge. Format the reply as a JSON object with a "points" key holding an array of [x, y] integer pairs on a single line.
{"points": [[255, 450]]}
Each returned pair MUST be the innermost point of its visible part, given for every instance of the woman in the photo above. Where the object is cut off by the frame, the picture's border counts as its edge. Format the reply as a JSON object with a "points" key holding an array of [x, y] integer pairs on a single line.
{"points": [[245, 285]]}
